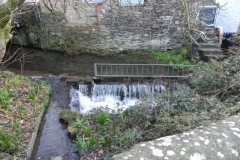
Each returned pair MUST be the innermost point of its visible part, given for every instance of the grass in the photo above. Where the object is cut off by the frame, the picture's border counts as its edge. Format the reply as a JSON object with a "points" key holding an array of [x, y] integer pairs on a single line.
{"points": [[32, 95], [21, 101], [10, 142], [82, 144], [102, 118], [5, 97], [177, 56]]}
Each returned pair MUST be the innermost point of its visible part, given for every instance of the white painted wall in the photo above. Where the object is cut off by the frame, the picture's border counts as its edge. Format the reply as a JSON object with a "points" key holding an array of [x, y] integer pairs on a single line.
{"points": [[34, 1], [229, 16], [26, 1], [2, 2]]}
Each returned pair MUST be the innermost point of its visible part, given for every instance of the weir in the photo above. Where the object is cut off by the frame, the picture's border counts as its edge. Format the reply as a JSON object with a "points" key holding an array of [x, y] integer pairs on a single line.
{"points": [[114, 97], [110, 97]]}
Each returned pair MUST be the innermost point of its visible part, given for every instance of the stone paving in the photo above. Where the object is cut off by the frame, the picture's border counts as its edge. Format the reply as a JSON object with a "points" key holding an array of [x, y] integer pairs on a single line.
{"points": [[217, 141]]}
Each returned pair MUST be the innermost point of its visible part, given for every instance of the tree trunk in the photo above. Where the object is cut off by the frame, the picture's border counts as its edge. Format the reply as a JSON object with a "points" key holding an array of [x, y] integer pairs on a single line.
{"points": [[2, 50], [7, 12]]}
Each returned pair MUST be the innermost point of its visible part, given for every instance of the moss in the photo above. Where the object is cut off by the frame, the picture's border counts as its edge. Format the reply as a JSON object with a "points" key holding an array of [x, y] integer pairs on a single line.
{"points": [[72, 131], [6, 12], [73, 42], [5, 34], [68, 41], [69, 117]]}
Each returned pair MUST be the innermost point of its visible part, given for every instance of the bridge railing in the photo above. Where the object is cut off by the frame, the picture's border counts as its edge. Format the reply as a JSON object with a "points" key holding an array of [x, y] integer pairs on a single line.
{"points": [[141, 70]]}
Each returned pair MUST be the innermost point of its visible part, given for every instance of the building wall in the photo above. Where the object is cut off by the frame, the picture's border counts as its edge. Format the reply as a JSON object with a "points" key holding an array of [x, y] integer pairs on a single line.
{"points": [[111, 26], [140, 27], [229, 15], [118, 27]]}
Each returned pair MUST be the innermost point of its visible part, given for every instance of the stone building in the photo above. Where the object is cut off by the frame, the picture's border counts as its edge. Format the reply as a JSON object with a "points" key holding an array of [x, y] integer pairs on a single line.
{"points": [[102, 26]]}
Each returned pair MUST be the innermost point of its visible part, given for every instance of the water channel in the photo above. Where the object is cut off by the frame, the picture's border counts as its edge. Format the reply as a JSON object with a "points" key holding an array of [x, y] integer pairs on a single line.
{"points": [[52, 141]]}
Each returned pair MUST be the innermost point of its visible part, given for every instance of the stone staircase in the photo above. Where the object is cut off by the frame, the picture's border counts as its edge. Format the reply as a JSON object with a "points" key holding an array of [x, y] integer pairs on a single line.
{"points": [[210, 49]]}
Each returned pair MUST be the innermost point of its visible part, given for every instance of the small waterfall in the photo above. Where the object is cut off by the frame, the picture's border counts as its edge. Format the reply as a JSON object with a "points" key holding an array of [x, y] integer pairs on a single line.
{"points": [[83, 89], [111, 97]]}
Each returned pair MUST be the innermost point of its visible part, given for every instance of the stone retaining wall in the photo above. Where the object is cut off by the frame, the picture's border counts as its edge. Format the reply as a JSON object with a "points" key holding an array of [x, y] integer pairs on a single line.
{"points": [[111, 26]]}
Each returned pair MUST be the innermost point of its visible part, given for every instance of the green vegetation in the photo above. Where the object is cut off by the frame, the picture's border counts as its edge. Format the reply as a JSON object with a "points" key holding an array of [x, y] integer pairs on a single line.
{"points": [[214, 95], [5, 18], [115, 133], [102, 118], [221, 79], [82, 144], [21, 101], [176, 56], [8, 142], [6, 12], [33, 39], [33, 35]]}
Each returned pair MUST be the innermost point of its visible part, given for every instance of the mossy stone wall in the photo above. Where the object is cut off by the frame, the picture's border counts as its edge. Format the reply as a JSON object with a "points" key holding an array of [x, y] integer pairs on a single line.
{"points": [[112, 27]]}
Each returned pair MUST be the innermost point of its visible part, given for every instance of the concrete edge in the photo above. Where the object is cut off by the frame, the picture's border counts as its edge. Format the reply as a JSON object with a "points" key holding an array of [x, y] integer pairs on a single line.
{"points": [[34, 135]]}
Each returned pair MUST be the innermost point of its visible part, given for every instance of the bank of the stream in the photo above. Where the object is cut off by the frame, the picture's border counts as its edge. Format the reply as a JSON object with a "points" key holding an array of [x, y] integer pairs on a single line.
{"points": [[211, 100], [22, 102]]}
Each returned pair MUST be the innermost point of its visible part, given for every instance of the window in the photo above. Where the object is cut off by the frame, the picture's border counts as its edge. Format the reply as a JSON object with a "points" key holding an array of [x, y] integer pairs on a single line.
{"points": [[94, 1], [207, 15], [77, 3], [131, 2]]}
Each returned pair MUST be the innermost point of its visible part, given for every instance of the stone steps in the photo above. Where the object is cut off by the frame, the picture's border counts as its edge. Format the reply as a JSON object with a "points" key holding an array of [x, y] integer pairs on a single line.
{"points": [[210, 50], [208, 53], [208, 45], [213, 51]]}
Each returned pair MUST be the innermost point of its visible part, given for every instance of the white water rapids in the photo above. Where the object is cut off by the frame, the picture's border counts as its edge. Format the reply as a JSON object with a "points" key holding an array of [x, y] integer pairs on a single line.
{"points": [[111, 97]]}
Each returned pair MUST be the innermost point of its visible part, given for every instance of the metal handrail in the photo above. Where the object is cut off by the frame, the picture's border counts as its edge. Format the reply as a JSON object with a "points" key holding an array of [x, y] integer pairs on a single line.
{"points": [[141, 70]]}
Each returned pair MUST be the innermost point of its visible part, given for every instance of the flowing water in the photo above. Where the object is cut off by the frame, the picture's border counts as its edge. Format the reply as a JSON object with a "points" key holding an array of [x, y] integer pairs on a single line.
{"points": [[111, 97], [52, 141]]}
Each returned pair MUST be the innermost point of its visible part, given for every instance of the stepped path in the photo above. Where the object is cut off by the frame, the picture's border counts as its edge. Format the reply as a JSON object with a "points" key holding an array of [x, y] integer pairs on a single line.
{"points": [[210, 49], [219, 140]]}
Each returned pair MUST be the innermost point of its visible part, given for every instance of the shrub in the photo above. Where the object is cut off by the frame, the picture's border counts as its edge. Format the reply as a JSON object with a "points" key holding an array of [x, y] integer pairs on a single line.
{"points": [[221, 79]]}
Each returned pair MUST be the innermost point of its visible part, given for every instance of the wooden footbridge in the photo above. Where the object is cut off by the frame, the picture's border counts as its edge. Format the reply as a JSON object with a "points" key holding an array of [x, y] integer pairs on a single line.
{"points": [[141, 70]]}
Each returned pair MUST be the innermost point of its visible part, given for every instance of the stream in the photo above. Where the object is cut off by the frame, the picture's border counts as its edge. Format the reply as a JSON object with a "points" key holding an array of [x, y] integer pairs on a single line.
{"points": [[52, 142]]}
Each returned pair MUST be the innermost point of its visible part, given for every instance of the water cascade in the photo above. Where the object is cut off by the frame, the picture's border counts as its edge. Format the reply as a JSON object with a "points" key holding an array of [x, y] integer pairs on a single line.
{"points": [[110, 97]]}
